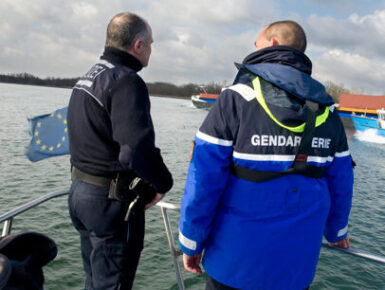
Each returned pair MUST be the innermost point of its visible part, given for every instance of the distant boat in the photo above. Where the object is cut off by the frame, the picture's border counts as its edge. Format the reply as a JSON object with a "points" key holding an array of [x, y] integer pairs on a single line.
{"points": [[363, 122], [204, 100], [360, 105]]}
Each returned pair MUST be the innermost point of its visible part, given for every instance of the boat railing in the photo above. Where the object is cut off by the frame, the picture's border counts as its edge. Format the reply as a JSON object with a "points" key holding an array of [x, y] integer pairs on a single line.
{"points": [[7, 219], [202, 87], [175, 252]]}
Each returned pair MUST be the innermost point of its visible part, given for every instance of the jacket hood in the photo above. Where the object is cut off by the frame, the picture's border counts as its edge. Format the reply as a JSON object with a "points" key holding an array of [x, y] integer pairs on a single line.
{"points": [[288, 69]]}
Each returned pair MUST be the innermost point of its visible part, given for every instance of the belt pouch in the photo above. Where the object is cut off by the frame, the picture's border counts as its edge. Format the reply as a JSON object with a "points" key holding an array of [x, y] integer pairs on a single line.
{"points": [[119, 187]]}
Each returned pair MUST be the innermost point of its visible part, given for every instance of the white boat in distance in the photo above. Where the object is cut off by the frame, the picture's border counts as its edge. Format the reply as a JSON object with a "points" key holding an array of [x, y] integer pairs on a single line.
{"points": [[204, 100]]}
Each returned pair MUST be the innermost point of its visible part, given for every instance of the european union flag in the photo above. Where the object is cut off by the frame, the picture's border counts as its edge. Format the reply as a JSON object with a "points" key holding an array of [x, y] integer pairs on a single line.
{"points": [[49, 135]]}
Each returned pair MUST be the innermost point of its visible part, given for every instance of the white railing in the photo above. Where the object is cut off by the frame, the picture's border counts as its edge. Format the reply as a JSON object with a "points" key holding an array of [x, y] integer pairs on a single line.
{"points": [[7, 219]]}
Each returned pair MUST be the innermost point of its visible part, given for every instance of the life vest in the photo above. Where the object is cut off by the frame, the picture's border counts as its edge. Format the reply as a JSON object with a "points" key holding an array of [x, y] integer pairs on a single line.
{"points": [[299, 165]]}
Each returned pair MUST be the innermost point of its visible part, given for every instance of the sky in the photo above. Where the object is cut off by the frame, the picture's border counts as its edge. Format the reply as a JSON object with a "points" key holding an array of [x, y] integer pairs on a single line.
{"points": [[195, 41]]}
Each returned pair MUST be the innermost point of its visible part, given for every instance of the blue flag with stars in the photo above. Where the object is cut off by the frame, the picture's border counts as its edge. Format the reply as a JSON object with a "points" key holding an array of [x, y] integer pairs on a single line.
{"points": [[49, 135]]}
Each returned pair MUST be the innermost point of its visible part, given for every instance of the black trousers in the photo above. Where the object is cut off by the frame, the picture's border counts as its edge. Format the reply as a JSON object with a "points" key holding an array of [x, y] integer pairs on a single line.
{"points": [[212, 284], [110, 247]]}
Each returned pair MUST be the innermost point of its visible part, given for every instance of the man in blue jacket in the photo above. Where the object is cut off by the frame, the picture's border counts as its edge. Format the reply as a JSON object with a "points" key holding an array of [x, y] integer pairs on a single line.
{"points": [[270, 174], [115, 162]]}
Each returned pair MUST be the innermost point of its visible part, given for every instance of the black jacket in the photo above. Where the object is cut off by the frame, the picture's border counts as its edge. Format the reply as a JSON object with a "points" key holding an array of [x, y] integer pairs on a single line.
{"points": [[109, 122]]}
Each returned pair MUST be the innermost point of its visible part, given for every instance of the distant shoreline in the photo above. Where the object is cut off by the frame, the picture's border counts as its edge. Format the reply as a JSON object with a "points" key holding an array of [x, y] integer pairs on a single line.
{"points": [[172, 97], [37, 85], [160, 89], [152, 95]]}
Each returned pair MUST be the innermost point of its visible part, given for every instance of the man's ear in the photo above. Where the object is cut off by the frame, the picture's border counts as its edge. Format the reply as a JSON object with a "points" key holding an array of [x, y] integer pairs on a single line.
{"points": [[274, 41], [138, 46]]}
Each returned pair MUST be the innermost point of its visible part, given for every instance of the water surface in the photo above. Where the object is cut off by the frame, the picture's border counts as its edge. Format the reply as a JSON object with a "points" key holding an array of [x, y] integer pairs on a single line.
{"points": [[176, 122]]}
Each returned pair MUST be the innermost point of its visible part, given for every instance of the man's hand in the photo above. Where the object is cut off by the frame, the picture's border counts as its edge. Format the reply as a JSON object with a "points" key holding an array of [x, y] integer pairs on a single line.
{"points": [[342, 244], [191, 263], [154, 201]]}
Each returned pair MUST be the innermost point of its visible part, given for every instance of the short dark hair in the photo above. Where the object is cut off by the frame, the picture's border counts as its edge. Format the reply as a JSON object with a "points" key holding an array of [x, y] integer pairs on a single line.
{"points": [[125, 28], [288, 33]]}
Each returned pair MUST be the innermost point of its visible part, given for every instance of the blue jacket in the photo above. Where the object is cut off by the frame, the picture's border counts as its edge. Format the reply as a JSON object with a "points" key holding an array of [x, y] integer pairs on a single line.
{"points": [[266, 235]]}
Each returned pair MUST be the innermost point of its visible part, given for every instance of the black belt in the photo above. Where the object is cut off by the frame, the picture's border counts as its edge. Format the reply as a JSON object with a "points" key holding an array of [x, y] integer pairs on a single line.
{"points": [[262, 176], [92, 179]]}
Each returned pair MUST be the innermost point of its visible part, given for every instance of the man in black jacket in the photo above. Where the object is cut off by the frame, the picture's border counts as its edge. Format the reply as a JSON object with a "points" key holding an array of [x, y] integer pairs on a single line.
{"points": [[114, 159]]}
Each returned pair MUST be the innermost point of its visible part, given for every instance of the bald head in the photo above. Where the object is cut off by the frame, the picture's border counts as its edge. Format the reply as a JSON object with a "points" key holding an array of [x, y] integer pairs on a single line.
{"points": [[286, 32], [124, 29]]}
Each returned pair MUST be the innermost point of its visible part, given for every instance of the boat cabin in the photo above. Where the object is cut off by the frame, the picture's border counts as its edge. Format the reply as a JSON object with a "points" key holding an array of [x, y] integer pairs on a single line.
{"points": [[361, 104]]}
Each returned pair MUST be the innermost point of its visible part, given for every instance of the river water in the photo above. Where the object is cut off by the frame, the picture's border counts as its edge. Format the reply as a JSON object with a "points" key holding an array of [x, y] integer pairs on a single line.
{"points": [[176, 122]]}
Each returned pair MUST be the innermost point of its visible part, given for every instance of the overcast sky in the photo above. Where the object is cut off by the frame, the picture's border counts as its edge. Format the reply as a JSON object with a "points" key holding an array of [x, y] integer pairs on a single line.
{"points": [[195, 41]]}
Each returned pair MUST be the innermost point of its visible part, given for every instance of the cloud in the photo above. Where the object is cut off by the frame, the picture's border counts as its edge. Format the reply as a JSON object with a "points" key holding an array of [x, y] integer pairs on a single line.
{"points": [[352, 70], [349, 51], [364, 35], [332, 4], [187, 59], [201, 40], [195, 41], [45, 32], [211, 15]]}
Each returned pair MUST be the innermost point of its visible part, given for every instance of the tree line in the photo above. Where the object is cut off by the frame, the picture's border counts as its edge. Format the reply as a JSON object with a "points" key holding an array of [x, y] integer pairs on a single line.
{"points": [[155, 89], [28, 79]]}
